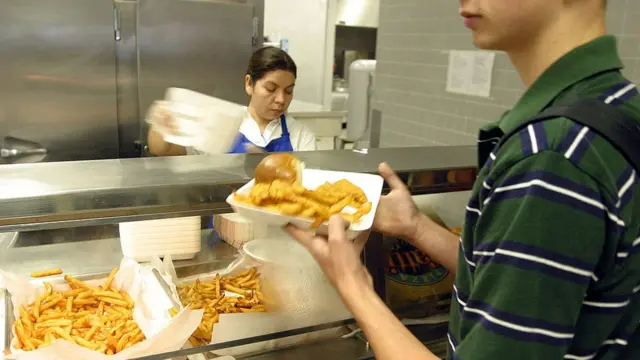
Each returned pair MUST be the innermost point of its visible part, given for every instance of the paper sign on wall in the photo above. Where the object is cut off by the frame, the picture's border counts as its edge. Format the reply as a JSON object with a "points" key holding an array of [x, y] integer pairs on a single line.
{"points": [[470, 72]]}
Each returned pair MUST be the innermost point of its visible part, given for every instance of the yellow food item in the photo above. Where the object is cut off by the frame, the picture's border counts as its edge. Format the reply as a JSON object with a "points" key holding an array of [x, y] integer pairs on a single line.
{"points": [[210, 296], [320, 204], [48, 272], [98, 318]]}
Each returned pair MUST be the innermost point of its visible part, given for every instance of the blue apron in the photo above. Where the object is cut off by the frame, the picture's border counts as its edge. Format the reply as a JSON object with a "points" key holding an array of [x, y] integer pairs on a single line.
{"points": [[281, 144]]}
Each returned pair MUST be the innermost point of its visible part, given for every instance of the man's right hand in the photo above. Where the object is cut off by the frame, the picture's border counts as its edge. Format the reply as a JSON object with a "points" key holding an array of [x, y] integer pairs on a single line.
{"points": [[397, 214]]}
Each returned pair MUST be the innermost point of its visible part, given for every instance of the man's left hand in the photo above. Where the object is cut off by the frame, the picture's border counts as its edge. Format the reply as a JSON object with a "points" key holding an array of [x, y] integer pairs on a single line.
{"points": [[338, 256]]}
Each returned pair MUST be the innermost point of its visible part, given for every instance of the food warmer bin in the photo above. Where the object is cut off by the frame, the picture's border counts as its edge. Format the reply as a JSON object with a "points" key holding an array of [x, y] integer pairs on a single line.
{"points": [[65, 215]]}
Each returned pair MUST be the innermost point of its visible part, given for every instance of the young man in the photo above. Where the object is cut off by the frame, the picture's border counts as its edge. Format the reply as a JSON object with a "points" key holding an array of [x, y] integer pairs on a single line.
{"points": [[549, 263]]}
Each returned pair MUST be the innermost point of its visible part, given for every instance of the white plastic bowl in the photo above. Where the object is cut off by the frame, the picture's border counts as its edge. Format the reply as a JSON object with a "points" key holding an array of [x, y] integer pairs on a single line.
{"points": [[311, 179]]}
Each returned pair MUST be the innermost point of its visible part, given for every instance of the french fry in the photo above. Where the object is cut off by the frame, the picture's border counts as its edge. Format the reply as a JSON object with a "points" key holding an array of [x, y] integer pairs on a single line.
{"points": [[63, 334], [209, 295], [48, 272], [22, 337], [234, 289], [89, 345], [97, 318], [80, 284], [114, 301], [108, 294], [112, 275]]}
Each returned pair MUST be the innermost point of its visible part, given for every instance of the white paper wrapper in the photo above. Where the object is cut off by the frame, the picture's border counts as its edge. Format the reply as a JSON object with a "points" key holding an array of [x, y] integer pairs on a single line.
{"points": [[150, 312], [293, 308]]}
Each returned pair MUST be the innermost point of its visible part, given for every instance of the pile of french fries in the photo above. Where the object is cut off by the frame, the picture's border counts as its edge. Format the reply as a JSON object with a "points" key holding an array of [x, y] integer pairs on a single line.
{"points": [[98, 318], [210, 296]]}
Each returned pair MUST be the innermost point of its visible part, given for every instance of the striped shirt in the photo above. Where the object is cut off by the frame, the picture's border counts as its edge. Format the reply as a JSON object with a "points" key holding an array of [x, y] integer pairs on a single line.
{"points": [[550, 254]]}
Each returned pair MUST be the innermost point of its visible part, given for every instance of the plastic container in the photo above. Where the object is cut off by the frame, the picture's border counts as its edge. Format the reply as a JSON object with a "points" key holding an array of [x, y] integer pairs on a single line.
{"points": [[294, 281], [236, 230], [311, 179], [143, 240], [203, 122]]}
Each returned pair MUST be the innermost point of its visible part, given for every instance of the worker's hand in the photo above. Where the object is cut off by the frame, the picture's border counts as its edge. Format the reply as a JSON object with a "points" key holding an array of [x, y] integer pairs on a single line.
{"points": [[338, 256], [161, 115], [397, 214]]}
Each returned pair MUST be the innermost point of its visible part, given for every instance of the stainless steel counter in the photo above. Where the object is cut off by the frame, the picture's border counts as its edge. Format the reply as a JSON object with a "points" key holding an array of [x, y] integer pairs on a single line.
{"points": [[69, 194], [96, 256]]}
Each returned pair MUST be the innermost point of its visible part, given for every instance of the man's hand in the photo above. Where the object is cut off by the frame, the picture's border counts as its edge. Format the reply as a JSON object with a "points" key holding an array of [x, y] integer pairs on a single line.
{"points": [[339, 259], [397, 214], [338, 256]]}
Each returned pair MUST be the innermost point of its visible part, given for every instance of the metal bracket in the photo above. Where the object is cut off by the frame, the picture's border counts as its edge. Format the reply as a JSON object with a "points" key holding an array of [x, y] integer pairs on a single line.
{"points": [[254, 36], [116, 22]]}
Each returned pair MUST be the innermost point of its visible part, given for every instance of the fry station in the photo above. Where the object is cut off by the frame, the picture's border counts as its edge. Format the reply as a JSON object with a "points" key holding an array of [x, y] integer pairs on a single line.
{"points": [[71, 216]]}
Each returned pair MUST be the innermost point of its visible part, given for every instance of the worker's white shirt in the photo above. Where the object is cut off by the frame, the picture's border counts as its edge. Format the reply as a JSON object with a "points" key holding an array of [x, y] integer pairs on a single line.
{"points": [[302, 139]]}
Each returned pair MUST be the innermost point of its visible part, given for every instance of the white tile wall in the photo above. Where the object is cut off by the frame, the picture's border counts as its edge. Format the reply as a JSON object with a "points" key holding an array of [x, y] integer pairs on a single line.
{"points": [[414, 37]]}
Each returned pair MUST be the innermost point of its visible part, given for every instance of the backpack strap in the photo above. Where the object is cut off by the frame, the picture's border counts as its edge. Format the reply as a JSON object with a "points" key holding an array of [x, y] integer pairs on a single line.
{"points": [[610, 122]]}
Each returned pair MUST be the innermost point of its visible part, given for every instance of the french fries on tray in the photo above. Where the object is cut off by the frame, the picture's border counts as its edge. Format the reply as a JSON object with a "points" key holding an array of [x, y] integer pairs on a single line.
{"points": [[212, 296], [99, 318]]}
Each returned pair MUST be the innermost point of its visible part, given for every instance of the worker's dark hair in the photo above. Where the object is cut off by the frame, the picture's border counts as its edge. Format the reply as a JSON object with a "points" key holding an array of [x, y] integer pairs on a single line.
{"points": [[270, 59]]}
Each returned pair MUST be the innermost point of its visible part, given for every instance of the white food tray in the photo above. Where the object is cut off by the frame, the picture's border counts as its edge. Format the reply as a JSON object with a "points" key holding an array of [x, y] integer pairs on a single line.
{"points": [[311, 179]]}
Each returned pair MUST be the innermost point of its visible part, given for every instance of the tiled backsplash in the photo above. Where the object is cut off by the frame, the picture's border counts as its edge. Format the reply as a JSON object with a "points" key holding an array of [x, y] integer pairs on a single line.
{"points": [[414, 37]]}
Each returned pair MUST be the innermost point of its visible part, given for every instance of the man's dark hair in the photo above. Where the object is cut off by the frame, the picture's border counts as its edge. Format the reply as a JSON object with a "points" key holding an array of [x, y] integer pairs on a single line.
{"points": [[270, 59]]}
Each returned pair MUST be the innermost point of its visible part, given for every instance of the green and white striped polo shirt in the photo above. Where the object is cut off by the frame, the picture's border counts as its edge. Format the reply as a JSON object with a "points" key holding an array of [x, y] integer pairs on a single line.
{"points": [[550, 254]]}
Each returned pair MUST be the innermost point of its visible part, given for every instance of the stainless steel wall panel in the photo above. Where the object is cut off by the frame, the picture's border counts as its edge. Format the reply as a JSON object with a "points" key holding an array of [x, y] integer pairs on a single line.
{"points": [[201, 45], [57, 67]]}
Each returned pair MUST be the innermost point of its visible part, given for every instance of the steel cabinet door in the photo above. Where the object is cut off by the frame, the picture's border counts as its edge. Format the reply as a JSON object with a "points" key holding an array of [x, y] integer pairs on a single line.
{"points": [[201, 45], [57, 71]]}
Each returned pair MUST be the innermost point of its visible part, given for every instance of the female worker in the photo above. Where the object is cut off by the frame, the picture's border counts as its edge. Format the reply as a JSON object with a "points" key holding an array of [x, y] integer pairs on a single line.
{"points": [[269, 83]]}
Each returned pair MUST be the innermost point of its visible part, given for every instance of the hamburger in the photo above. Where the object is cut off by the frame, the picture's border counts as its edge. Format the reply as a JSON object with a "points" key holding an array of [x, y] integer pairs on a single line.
{"points": [[281, 166]]}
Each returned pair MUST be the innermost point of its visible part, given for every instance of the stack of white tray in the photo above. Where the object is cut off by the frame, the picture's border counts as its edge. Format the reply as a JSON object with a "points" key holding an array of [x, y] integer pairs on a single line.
{"points": [[236, 230], [143, 240]]}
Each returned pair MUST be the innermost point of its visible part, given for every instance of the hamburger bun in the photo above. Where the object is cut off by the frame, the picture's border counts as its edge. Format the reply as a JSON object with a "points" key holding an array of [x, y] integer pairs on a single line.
{"points": [[282, 166]]}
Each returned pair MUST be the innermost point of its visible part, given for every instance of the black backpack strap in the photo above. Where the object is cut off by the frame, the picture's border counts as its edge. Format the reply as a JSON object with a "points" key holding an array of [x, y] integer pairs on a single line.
{"points": [[610, 122]]}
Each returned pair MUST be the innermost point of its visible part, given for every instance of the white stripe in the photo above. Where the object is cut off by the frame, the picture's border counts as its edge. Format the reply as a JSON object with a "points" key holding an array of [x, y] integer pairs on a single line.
{"points": [[559, 190], [544, 261], [576, 142], [501, 251], [464, 254], [484, 253], [589, 357], [622, 342], [474, 210], [636, 289], [627, 185], [534, 139], [521, 328], [451, 343], [622, 255], [576, 357], [492, 156], [485, 185], [620, 92], [607, 305], [455, 290], [636, 242]]}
